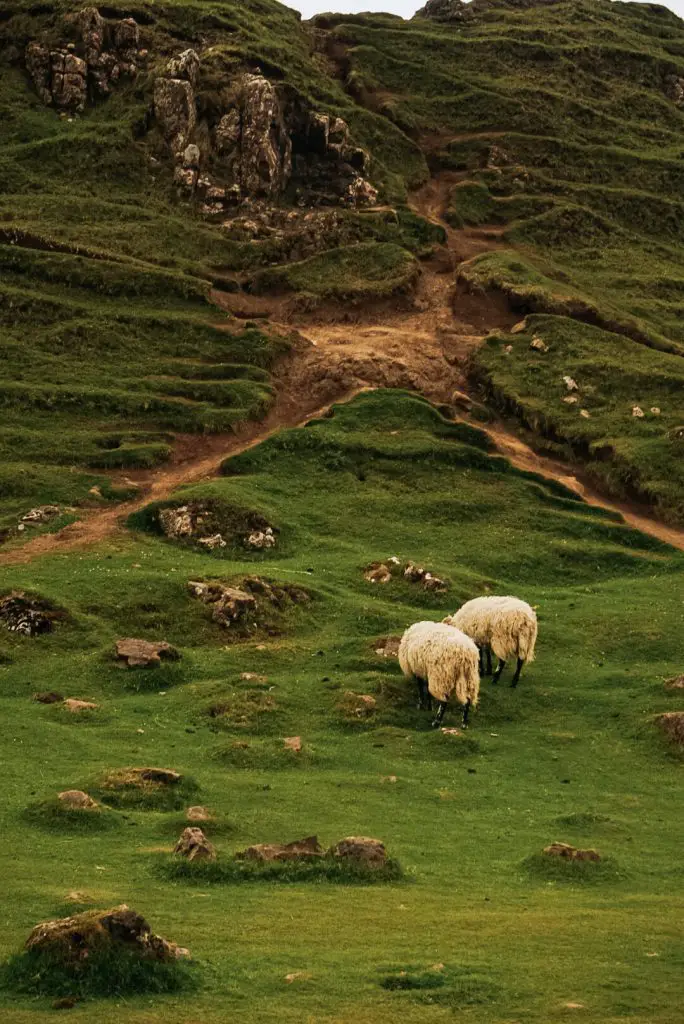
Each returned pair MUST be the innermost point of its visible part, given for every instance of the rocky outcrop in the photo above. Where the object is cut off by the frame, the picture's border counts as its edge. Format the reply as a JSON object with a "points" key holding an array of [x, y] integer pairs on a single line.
{"points": [[360, 850], [175, 104], [31, 616], [301, 849], [567, 852], [73, 939], [143, 653], [674, 89], [69, 75], [194, 845], [228, 604]]}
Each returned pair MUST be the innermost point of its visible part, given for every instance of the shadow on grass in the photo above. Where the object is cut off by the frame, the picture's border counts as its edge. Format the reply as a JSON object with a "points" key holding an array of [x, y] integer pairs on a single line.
{"points": [[53, 816]]}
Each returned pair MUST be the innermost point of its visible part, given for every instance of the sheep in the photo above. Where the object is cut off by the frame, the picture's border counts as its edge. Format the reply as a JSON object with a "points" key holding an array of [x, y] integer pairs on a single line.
{"points": [[505, 625], [444, 662]]}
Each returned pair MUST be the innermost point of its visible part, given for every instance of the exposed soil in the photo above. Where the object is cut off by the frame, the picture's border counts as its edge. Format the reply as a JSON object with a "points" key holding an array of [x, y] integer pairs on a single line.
{"points": [[419, 343]]}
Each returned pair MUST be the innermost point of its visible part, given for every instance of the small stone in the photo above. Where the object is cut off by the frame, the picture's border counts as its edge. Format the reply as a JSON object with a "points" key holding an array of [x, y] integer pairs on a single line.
{"points": [[298, 976], [293, 743], [539, 345], [637, 412], [194, 845], [361, 849], [567, 852], [389, 778], [378, 573], [198, 813], [585, 414], [570, 383], [676, 683], [574, 1006], [301, 849], [143, 653], [655, 410], [508, 350], [253, 677], [519, 327], [77, 897], [571, 399], [49, 697], [74, 705], [95, 491], [211, 543], [76, 799], [451, 731]]}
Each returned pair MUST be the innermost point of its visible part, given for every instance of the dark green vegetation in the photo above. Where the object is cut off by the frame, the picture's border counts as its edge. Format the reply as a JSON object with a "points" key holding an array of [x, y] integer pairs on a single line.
{"points": [[323, 869], [571, 755], [38, 973]]}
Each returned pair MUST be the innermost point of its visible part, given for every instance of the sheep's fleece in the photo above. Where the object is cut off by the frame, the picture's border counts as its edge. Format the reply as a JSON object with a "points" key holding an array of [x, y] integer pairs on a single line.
{"points": [[445, 658], [506, 624]]}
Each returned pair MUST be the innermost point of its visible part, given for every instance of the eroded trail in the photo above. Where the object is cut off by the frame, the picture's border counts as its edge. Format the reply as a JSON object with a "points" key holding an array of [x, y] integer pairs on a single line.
{"points": [[420, 345]]}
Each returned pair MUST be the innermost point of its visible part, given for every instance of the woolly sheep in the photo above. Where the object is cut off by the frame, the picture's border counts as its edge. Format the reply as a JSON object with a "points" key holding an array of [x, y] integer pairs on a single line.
{"points": [[505, 625], [444, 661]]}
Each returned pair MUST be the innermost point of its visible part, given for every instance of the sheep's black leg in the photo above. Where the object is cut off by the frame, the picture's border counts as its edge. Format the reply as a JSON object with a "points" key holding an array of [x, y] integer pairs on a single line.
{"points": [[424, 698], [499, 669], [481, 651], [466, 712], [441, 708], [489, 661], [518, 670]]}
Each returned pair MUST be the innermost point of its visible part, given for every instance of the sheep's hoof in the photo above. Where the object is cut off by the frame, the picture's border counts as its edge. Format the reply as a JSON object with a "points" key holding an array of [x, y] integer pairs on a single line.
{"points": [[436, 724]]}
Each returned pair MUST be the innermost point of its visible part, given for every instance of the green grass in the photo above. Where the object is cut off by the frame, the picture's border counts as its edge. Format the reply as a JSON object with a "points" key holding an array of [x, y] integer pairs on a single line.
{"points": [[572, 755], [365, 271], [318, 869]]}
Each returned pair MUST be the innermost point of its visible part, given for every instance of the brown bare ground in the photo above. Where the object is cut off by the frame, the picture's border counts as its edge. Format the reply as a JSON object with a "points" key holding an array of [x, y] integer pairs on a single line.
{"points": [[419, 344]]}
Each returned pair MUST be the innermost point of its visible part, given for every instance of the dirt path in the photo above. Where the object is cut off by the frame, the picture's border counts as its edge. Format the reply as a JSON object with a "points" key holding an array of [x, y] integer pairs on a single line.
{"points": [[420, 346]]}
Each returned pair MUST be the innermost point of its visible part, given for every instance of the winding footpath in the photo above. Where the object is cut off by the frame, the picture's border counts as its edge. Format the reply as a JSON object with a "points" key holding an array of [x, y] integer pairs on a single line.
{"points": [[421, 347]]}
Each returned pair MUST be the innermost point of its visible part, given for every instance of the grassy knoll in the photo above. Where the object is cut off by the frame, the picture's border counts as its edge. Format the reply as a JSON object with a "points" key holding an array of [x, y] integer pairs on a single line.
{"points": [[474, 927]]}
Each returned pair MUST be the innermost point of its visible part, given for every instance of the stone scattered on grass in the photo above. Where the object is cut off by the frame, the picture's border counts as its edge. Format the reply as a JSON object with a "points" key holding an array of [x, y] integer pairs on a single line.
{"points": [[570, 383], [74, 705], [571, 399], [298, 976], [300, 849], [21, 613], [214, 525], [194, 845], [253, 677], [671, 723], [198, 813], [451, 730], [260, 539], [638, 412], [40, 515], [74, 939], [585, 414], [77, 800], [676, 683], [233, 604], [360, 850], [143, 653], [293, 743], [388, 646], [393, 568], [48, 697], [655, 410], [567, 852], [211, 543], [539, 345], [357, 705]]}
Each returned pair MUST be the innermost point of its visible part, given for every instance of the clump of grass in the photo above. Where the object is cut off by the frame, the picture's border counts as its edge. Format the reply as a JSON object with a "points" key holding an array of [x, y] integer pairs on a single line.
{"points": [[444, 984], [314, 869], [105, 972], [242, 709], [54, 816], [364, 271], [151, 680], [123, 788], [577, 872], [264, 755], [583, 821]]}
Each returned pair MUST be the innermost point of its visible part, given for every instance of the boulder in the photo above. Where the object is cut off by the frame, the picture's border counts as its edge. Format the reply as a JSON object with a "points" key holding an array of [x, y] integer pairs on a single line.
{"points": [[229, 604], [127, 38], [73, 939], [185, 66], [76, 799], [362, 850], [194, 845], [174, 109], [301, 849], [211, 543], [74, 705], [261, 539], [379, 573], [90, 25], [42, 514], [144, 653], [37, 57], [567, 852]]}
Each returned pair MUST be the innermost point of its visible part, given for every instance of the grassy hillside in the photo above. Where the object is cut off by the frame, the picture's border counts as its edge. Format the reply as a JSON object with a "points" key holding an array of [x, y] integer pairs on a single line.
{"points": [[571, 755], [560, 123]]}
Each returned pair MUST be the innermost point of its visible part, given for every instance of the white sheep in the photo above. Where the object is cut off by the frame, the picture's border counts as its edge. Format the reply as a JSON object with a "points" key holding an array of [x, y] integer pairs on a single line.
{"points": [[505, 625], [444, 662]]}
